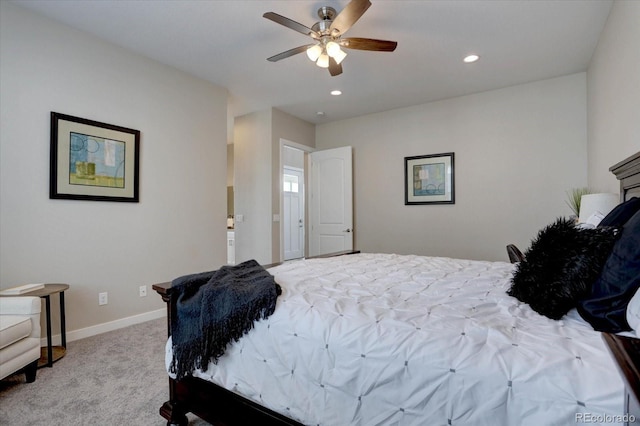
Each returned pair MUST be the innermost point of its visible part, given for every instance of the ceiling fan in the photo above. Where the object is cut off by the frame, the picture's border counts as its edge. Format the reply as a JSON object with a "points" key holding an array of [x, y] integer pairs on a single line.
{"points": [[326, 50]]}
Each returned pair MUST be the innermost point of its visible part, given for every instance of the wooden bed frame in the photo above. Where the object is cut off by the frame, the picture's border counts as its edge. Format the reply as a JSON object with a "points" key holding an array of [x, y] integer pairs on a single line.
{"points": [[628, 173], [209, 401], [219, 406]]}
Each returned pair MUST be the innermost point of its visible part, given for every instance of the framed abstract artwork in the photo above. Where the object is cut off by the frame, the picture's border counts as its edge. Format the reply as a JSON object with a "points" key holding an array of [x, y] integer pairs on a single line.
{"points": [[429, 179], [92, 160]]}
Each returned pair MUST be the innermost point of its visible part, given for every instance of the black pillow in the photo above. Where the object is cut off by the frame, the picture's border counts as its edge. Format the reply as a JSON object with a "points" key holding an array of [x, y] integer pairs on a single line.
{"points": [[560, 266], [621, 213], [606, 307]]}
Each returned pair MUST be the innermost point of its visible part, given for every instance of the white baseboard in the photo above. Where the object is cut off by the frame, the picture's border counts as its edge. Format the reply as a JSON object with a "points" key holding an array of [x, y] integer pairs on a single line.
{"points": [[105, 327]]}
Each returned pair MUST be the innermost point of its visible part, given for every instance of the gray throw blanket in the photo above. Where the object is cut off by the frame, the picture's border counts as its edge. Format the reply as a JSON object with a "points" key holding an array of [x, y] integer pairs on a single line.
{"points": [[214, 308]]}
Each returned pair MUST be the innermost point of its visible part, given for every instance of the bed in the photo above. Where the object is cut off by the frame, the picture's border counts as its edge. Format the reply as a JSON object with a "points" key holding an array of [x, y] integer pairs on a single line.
{"points": [[377, 339]]}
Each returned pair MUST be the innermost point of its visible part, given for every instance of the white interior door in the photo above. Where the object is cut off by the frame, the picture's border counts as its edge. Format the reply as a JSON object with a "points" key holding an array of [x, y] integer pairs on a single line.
{"points": [[293, 190], [331, 204]]}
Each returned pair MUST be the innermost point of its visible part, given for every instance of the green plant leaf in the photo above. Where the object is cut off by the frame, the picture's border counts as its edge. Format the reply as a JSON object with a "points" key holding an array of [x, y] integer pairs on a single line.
{"points": [[574, 196]]}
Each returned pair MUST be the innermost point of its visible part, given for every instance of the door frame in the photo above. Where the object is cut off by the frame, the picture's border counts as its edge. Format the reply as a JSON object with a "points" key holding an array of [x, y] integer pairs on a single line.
{"points": [[302, 198], [306, 149]]}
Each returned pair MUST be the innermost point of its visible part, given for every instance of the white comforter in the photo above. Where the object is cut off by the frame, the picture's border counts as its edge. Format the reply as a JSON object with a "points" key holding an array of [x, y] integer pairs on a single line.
{"points": [[382, 339]]}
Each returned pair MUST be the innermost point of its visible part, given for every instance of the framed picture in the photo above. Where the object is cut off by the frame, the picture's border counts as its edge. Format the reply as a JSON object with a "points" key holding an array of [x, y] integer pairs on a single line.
{"points": [[92, 160], [429, 179]]}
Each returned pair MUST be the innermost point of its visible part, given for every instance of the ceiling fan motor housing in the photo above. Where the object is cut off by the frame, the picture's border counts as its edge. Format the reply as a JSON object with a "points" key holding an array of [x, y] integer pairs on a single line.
{"points": [[324, 27], [327, 13]]}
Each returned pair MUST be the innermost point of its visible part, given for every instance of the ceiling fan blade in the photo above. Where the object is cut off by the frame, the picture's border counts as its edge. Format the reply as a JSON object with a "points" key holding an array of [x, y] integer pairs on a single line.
{"points": [[334, 67], [368, 44], [290, 52], [289, 23], [349, 15]]}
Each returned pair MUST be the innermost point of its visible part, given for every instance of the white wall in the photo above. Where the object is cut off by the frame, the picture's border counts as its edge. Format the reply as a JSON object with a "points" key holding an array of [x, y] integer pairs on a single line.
{"points": [[257, 171], [613, 80], [252, 189], [292, 157], [517, 151], [292, 129], [178, 226]]}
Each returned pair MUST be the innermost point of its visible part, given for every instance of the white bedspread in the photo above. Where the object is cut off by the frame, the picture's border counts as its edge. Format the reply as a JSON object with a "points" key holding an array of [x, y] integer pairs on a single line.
{"points": [[381, 339]]}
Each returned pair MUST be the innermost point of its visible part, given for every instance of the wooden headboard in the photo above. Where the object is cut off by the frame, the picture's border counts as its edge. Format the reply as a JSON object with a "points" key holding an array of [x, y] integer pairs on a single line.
{"points": [[624, 352], [628, 173]]}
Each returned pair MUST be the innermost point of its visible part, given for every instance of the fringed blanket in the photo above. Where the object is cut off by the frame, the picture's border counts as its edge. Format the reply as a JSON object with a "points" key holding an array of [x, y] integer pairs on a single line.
{"points": [[214, 308]]}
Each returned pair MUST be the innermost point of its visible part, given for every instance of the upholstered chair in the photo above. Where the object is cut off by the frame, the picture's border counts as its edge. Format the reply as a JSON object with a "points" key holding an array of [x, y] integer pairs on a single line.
{"points": [[19, 335]]}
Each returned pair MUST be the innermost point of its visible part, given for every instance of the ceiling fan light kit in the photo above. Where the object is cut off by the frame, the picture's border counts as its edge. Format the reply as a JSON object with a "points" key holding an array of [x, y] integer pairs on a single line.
{"points": [[321, 52], [323, 61], [314, 52], [326, 52], [339, 56]]}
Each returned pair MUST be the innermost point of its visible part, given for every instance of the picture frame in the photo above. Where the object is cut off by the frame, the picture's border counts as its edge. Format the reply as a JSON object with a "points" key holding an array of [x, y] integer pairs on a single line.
{"points": [[429, 179], [93, 161]]}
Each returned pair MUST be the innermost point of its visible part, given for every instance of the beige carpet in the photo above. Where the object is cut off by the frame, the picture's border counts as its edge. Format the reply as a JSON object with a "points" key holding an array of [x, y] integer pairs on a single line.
{"points": [[116, 378]]}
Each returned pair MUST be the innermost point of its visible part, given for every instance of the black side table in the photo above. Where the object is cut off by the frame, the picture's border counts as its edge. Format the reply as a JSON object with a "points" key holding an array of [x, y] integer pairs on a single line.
{"points": [[53, 353]]}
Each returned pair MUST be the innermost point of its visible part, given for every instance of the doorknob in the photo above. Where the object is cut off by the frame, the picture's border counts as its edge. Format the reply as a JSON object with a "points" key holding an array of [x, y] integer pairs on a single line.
{"points": [[347, 230]]}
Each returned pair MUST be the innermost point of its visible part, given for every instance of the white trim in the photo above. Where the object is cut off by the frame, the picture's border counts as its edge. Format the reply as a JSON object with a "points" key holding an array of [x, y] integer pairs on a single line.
{"points": [[105, 327], [286, 142], [307, 149], [303, 192]]}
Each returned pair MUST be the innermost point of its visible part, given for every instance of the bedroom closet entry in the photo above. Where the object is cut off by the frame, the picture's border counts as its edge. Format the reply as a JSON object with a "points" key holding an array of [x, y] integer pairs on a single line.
{"points": [[327, 205]]}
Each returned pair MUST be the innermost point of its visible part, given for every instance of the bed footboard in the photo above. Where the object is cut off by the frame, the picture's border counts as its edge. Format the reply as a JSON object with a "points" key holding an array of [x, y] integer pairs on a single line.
{"points": [[207, 400], [173, 415], [172, 409]]}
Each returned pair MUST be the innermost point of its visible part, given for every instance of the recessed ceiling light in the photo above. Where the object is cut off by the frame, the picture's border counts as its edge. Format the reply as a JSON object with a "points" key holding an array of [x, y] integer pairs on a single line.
{"points": [[336, 92], [471, 58], [320, 113]]}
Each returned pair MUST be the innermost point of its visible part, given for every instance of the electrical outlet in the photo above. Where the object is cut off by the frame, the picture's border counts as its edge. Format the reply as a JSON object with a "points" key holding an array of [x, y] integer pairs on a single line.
{"points": [[143, 291], [103, 298]]}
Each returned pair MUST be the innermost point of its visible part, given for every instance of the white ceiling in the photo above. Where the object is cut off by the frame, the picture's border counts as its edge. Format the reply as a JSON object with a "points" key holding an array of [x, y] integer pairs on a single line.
{"points": [[227, 43]]}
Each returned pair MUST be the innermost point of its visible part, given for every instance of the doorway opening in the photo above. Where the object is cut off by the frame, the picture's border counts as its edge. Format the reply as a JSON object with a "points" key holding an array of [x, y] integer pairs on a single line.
{"points": [[293, 212], [322, 222], [293, 160]]}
